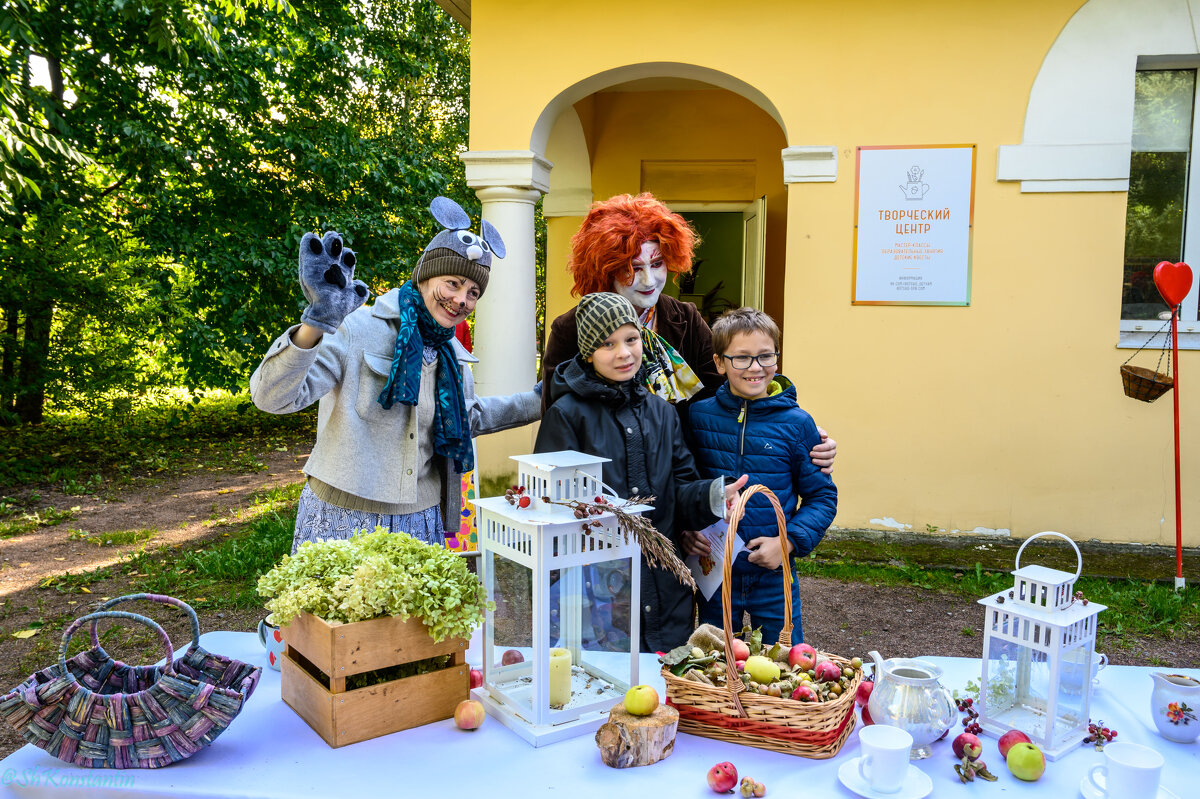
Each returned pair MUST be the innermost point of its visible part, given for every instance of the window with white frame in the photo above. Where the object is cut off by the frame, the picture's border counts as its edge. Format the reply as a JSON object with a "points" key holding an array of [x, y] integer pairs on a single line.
{"points": [[1163, 205]]}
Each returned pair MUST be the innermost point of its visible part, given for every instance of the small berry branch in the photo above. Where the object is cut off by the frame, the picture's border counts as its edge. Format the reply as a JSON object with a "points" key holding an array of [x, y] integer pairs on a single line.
{"points": [[656, 548], [1099, 735]]}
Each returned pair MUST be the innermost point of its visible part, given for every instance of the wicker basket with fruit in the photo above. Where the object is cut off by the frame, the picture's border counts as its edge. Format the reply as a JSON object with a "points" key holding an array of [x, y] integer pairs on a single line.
{"points": [[790, 699]]}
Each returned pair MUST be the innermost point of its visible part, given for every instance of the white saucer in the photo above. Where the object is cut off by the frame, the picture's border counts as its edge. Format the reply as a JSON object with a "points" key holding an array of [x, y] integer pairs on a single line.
{"points": [[1090, 791], [916, 783]]}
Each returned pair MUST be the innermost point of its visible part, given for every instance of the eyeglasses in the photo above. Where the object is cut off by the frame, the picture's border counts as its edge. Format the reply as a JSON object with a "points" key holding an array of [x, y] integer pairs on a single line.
{"points": [[766, 360]]}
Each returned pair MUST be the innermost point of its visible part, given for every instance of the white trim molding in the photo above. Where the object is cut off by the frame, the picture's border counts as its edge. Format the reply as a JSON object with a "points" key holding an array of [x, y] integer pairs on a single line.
{"points": [[1065, 167], [519, 168], [810, 164], [1079, 118], [567, 202]]}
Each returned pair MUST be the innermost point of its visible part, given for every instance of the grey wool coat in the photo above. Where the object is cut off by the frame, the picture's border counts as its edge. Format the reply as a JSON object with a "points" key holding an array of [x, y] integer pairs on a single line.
{"points": [[361, 448]]}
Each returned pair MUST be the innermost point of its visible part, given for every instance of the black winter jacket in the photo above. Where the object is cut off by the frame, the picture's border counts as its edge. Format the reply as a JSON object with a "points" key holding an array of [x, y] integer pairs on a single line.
{"points": [[642, 435]]}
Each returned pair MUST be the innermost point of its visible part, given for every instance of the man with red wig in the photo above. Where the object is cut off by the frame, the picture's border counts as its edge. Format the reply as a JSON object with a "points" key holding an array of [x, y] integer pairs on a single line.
{"points": [[629, 245]]}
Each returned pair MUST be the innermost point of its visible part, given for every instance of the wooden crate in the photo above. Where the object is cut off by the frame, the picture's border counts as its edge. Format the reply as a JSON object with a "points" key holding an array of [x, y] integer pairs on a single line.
{"points": [[319, 652]]}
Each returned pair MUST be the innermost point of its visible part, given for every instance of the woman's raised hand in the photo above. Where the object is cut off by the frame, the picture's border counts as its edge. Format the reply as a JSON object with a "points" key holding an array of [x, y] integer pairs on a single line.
{"points": [[327, 280]]}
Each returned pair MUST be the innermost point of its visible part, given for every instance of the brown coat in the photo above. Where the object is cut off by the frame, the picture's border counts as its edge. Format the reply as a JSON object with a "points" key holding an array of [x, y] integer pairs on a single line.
{"points": [[679, 323]]}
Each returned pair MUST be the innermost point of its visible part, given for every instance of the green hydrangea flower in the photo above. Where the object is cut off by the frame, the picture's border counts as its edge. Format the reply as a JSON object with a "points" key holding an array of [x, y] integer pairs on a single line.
{"points": [[377, 574]]}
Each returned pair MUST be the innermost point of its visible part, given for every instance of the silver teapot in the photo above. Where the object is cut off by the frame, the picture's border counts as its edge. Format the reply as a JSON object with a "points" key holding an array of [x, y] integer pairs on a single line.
{"points": [[908, 695]]}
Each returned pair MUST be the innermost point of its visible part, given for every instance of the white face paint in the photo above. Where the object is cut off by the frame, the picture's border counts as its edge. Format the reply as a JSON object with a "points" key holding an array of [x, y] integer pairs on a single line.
{"points": [[649, 278]]}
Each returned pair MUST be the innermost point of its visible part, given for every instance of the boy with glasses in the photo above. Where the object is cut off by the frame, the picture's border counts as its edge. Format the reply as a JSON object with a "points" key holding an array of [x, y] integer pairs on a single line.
{"points": [[753, 426]]}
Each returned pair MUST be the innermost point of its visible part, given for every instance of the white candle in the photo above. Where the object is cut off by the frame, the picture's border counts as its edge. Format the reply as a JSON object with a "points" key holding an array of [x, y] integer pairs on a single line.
{"points": [[560, 677]]}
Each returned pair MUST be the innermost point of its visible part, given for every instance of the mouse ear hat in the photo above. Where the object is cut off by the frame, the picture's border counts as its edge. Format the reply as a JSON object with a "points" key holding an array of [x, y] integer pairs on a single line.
{"points": [[456, 250]]}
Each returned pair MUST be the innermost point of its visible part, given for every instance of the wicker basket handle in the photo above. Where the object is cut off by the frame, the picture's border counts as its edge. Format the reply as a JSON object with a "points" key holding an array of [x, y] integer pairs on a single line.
{"points": [[733, 682], [162, 599], [74, 626]]}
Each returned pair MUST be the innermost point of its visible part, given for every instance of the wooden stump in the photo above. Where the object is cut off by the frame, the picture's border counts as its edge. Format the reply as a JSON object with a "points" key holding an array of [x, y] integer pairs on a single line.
{"points": [[628, 740]]}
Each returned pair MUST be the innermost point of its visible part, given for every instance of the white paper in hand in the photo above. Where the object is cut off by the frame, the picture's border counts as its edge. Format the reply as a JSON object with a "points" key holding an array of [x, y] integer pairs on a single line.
{"points": [[707, 571]]}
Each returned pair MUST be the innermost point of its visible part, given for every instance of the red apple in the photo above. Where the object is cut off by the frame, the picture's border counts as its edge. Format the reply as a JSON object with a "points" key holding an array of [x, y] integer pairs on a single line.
{"points": [[802, 655], [1026, 761], [510, 657], [722, 777], [741, 650], [827, 671], [641, 700], [1010, 739], [863, 694], [476, 678], [866, 717], [469, 715], [967, 745], [804, 693]]}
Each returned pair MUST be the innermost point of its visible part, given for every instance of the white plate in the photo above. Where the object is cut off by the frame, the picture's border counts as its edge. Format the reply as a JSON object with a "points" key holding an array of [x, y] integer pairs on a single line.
{"points": [[916, 783], [1090, 791]]}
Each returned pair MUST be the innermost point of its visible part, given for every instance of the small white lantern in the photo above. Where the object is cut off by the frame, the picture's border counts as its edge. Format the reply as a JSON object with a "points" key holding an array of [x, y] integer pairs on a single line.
{"points": [[1038, 642], [560, 583]]}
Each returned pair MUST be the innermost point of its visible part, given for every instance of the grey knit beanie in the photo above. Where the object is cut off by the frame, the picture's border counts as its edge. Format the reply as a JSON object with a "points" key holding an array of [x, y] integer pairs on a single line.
{"points": [[598, 315], [442, 261]]}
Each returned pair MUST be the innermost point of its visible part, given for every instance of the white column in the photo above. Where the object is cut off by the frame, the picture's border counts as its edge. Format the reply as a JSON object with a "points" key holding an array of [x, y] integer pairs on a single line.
{"points": [[505, 331], [508, 184]]}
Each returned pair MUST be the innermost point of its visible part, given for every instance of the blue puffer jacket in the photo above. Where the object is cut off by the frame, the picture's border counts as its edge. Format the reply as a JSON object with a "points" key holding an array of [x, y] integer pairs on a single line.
{"points": [[769, 439]]}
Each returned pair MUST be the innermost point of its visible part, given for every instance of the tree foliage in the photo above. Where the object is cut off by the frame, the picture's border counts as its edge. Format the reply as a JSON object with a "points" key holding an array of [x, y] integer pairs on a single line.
{"points": [[181, 151]]}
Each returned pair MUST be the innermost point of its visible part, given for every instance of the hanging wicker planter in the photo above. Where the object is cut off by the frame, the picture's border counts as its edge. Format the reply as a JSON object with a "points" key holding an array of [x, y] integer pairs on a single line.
{"points": [[1144, 384]]}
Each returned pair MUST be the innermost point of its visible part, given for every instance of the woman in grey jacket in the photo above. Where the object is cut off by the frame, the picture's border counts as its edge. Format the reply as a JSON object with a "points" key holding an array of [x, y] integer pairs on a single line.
{"points": [[397, 400]]}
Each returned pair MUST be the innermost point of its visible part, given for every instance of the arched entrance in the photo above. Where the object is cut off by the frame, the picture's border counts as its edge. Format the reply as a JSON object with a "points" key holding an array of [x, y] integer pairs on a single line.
{"points": [[704, 142]]}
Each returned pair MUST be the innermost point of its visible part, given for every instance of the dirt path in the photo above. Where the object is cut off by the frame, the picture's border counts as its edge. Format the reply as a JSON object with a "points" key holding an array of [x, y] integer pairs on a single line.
{"points": [[173, 513]]}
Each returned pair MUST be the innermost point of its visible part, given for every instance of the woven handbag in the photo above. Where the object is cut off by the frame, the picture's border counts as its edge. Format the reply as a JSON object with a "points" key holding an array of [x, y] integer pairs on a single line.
{"points": [[730, 713], [168, 720], [197, 662]]}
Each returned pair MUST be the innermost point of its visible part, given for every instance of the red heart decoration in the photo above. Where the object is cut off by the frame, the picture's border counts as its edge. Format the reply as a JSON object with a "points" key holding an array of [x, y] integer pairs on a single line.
{"points": [[271, 657], [278, 637], [1174, 281]]}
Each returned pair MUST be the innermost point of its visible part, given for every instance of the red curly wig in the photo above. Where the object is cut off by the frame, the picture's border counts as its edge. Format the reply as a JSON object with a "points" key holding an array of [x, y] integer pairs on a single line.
{"points": [[612, 235]]}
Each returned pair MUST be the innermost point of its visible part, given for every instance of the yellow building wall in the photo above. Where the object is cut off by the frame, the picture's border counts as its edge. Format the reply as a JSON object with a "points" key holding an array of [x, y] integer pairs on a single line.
{"points": [[1006, 415]]}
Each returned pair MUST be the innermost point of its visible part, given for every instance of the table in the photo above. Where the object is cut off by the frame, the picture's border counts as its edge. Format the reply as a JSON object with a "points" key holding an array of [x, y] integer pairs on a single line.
{"points": [[269, 751]]}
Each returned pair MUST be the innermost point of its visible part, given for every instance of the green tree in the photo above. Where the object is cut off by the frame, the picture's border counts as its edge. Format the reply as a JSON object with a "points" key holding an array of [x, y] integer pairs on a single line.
{"points": [[166, 250], [355, 127]]}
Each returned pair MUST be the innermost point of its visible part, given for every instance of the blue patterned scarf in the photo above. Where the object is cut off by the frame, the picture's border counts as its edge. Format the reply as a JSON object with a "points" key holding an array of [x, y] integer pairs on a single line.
{"points": [[418, 329]]}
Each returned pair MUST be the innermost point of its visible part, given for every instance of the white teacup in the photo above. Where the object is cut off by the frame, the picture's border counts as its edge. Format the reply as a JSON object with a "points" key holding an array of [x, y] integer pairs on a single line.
{"points": [[1074, 672], [1128, 770], [884, 761]]}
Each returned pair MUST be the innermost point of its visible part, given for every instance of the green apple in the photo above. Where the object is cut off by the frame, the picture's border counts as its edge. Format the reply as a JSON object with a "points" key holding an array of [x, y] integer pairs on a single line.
{"points": [[1026, 761], [761, 669], [641, 700]]}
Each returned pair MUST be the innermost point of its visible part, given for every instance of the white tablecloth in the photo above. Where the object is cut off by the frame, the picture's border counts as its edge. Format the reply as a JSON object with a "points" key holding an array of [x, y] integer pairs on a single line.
{"points": [[269, 751]]}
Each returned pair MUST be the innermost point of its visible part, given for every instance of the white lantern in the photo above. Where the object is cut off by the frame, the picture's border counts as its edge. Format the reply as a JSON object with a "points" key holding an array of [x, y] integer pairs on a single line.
{"points": [[563, 586], [1038, 642]]}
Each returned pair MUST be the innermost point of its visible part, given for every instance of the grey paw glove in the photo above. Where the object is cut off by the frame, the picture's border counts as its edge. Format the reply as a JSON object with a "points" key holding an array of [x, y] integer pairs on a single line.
{"points": [[327, 280]]}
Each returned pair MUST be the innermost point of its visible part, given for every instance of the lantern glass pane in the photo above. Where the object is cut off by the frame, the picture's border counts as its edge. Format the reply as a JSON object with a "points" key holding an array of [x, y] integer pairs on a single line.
{"points": [[1074, 690], [1001, 689], [511, 628], [589, 614]]}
